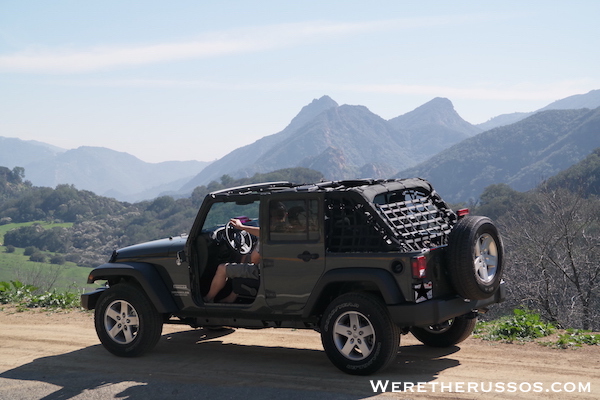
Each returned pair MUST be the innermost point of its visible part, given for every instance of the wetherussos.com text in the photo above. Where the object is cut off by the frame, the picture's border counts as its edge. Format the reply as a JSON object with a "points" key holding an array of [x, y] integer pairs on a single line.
{"points": [[382, 386]]}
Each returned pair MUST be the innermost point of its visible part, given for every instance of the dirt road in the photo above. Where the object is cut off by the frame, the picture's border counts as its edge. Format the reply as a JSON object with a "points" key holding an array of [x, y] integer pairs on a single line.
{"points": [[46, 355]]}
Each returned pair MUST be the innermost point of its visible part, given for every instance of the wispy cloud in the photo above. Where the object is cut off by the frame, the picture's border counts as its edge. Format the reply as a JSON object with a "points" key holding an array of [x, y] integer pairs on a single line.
{"points": [[521, 91], [477, 91], [215, 44]]}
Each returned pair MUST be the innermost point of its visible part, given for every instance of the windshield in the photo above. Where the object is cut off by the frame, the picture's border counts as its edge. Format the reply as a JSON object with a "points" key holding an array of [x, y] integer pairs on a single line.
{"points": [[220, 213]]}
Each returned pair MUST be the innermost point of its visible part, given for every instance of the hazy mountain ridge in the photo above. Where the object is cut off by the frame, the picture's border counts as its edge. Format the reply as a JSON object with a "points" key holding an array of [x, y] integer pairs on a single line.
{"points": [[589, 100], [582, 178], [16, 152], [521, 155], [101, 170], [346, 141], [236, 162], [360, 135], [340, 141], [435, 126]]}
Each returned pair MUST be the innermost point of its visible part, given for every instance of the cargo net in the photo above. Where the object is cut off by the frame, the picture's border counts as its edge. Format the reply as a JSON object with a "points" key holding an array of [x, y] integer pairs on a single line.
{"points": [[419, 220], [350, 227]]}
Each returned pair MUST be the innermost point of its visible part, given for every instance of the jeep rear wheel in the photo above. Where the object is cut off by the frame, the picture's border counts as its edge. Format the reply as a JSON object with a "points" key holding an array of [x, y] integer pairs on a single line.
{"points": [[446, 334], [358, 334], [475, 255], [126, 322]]}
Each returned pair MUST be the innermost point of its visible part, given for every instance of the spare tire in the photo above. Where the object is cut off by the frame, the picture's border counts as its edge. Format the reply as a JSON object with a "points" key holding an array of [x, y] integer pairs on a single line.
{"points": [[446, 334], [475, 257]]}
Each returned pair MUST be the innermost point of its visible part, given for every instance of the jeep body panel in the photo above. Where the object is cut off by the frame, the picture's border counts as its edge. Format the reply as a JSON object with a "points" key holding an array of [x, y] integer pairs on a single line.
{"points": [[436, 311], [143, 274], [156, 249], [294, 260]]}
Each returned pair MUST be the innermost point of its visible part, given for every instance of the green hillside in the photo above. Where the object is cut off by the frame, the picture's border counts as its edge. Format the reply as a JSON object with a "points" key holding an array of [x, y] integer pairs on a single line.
{"points": [[17, 267]]}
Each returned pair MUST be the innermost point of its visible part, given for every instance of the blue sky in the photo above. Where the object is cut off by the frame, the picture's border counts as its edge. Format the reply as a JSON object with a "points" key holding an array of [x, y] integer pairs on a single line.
{"points": [[186, 80]]}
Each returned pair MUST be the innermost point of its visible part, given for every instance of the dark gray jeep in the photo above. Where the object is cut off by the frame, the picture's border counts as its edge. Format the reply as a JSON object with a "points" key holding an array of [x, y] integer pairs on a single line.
{"points": [[362, 262]]}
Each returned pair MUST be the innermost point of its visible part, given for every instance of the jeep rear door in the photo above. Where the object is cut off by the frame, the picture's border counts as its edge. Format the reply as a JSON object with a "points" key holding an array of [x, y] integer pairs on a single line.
{"points": [[293, 250]]}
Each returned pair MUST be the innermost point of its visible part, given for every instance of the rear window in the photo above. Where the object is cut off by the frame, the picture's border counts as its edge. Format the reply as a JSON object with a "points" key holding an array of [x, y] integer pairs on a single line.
{"points": [[419, 219]]}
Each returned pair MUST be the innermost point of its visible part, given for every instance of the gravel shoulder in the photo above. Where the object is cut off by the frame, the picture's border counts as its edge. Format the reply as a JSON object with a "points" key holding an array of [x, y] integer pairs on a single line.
{"points": [[57, 355]]}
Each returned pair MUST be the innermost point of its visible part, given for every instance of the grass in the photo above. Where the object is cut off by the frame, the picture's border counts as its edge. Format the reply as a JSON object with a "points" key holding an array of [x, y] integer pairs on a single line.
{"points": [[574, 338], [17, 267], [527, 326], [46, 276]]}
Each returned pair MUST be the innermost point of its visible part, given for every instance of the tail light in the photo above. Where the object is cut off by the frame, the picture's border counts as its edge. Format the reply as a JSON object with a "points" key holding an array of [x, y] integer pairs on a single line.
{"points": [[419, 267], [462, 212]]}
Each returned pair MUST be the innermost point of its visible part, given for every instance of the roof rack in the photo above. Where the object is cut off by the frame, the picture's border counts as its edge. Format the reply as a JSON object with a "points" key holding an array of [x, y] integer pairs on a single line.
{"points": [[349, 183], [306, 187], [258, 187]]}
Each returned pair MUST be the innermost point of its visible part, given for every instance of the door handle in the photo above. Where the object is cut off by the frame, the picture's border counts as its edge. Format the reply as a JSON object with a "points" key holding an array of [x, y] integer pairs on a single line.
{"points": [[306, 256]]}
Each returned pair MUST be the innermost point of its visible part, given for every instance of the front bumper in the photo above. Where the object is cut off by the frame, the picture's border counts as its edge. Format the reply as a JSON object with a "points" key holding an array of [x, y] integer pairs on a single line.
{"points": [[439, 310], [88, 300]]}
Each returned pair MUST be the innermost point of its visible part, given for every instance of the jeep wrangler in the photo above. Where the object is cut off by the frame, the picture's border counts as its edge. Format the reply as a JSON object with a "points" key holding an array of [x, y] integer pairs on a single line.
{"points": [[362, 262]]}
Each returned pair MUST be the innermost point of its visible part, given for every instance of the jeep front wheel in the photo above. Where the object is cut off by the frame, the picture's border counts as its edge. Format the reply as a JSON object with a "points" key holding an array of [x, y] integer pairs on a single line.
{"points": [[446, 334], [358, 334], [127, 323]]}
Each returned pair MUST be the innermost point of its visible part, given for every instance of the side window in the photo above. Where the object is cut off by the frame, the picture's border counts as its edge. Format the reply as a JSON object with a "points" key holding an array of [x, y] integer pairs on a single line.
{"points": [[349, 228], [293, 220]]}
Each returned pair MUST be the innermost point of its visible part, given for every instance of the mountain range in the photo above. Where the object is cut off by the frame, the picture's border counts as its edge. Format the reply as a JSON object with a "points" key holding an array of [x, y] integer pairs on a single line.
{"points": [[344, 142], [100, 170], [589, 100], [521, 155]]}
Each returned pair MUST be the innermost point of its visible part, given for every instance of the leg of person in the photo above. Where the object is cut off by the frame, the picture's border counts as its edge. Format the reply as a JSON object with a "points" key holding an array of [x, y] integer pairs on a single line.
{"points": [[217, 283], [231, 298]]}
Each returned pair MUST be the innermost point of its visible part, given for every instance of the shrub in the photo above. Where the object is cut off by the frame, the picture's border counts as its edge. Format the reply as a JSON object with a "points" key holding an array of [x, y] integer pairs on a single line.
{"points": [[58, 259], [24, 297], [522, 325], [577, 338], [38, 256], [29, 250], [73, 258], [14, 291], [10, 249], [53, 299]]}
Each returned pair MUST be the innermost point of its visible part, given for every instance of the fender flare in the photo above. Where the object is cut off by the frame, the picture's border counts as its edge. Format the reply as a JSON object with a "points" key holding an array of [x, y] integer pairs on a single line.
{"points": [[381, 278], [143, 274]]}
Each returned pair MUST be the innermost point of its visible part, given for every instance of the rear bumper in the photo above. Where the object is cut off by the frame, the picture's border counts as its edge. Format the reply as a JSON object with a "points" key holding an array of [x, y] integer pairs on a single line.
{"points": [[436, 311]]}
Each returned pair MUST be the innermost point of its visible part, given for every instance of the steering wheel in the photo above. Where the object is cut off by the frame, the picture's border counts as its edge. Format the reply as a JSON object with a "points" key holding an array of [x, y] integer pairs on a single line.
{"points": [[238, 240]]}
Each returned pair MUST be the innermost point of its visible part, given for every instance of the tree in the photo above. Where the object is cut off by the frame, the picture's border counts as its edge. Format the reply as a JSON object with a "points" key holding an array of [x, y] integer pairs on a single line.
{"points": [[17, 175], [29, 250], [554, 257], [227, 180], [38, 257], [499, 199], [58, 259]]}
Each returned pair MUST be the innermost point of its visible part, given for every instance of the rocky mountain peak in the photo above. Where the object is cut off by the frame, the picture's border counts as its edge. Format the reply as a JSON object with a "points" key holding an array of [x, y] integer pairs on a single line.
{"points": [[439, 111], [310, 111]]}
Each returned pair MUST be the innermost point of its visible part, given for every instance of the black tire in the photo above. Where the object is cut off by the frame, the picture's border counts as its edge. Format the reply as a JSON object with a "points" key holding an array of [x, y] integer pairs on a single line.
{"points": [[475, 256], [447, 333], [127, 323], [358, 334]]}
